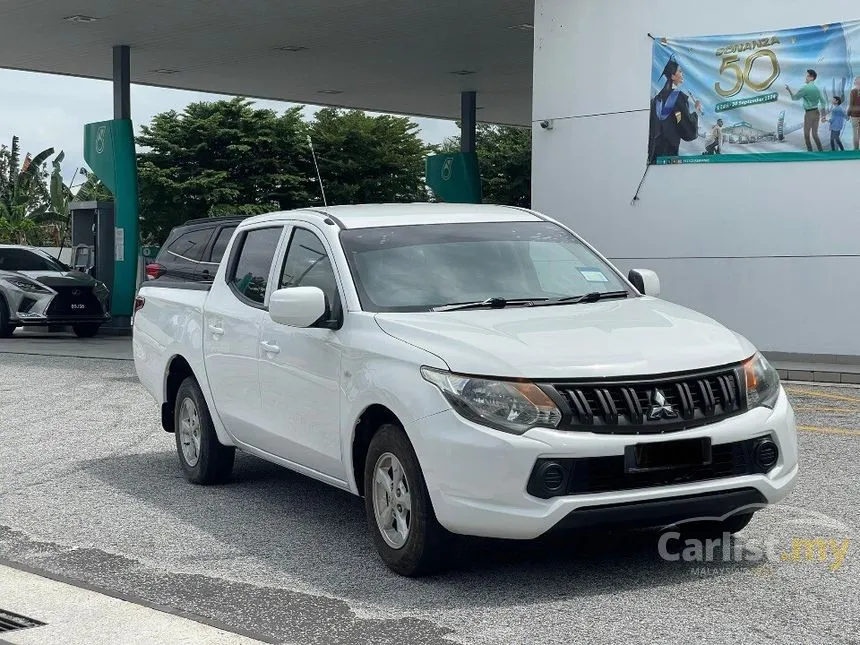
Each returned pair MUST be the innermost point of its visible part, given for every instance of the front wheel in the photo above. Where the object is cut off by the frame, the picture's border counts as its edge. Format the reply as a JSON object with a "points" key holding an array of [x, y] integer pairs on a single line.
{"points": [[86, 330], [6, 328], [203, 458], [399, 512]]}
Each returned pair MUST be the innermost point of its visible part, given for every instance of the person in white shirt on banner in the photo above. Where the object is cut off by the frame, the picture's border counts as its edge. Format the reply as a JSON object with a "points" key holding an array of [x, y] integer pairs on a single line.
{"points": [[715, 141]]}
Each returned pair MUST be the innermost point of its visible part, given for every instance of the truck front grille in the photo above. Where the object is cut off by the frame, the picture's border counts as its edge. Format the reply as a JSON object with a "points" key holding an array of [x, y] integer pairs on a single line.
{"points": [[651, 405]]}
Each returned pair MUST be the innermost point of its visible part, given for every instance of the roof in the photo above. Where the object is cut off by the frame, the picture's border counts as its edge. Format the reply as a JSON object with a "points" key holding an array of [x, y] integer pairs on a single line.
{"points": [[376, 215], [398, 56]]}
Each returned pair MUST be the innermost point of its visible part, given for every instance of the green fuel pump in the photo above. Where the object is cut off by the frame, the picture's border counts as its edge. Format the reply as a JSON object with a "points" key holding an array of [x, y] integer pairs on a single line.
{"points": [[109, 151]]}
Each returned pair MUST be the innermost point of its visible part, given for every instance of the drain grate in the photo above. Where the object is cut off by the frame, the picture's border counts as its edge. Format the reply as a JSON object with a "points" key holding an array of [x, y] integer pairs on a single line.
{"points": [[10, 622]]}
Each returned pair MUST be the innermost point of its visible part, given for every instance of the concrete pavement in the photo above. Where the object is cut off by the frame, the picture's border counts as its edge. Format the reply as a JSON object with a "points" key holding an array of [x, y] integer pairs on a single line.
{"points": [[37, 342], [90, 490], [76, 616]]}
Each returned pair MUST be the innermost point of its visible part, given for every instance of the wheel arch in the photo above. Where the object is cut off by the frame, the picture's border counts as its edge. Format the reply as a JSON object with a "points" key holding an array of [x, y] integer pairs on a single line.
{"points": [[177, 370], [371, 419]]}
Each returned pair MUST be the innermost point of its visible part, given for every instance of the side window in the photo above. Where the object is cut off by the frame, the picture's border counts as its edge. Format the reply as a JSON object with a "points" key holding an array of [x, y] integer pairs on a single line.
{"points": [[307, 265], [252, 261], [190, 245], [221, 242]]}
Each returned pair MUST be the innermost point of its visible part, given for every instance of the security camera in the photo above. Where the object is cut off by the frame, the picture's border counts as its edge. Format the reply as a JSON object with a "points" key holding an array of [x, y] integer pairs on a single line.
{"points": [[546, 125]]}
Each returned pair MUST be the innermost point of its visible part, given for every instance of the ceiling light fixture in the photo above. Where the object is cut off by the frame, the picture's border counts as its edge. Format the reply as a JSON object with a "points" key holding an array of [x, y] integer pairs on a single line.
{"points": [[330, 92], [291, 48], [80, 18], [463, 72], [165, 70], [526, 26]]}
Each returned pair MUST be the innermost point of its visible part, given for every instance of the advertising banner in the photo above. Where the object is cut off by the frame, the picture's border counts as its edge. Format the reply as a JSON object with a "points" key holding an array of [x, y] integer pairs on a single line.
{"points": [[791, 95]]}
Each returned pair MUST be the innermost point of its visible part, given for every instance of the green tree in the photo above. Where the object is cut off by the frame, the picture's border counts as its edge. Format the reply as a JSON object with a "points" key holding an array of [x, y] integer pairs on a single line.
{"points": [[92, 190], [368, 159], [216, 158], [505, 160], [24, 197]]}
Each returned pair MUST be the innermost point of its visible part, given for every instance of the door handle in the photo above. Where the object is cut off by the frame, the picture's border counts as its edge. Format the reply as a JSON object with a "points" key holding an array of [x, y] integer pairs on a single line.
{"points": [[269, 348], [216, 331]]}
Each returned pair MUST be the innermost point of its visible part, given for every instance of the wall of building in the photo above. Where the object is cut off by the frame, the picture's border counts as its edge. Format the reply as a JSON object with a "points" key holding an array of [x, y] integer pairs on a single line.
{"points": [[771, 249]]}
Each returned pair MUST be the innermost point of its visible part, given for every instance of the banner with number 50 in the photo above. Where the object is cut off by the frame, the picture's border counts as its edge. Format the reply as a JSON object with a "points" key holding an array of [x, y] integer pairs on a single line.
{"points": [[789, 95]]}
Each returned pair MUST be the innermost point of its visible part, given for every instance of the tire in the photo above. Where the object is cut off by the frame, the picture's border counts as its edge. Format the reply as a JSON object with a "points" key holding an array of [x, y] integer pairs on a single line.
{"points": [[6, 328], [716, 529], [204, 460], [423, 550], [86, 330]]}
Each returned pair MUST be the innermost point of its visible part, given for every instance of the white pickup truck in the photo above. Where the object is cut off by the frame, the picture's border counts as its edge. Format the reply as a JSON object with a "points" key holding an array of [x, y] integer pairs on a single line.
{"points": [[475, 370]]}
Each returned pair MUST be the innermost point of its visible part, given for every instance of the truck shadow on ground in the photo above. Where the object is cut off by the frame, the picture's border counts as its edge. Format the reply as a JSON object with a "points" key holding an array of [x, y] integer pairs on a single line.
{"points": [[315, 534]]}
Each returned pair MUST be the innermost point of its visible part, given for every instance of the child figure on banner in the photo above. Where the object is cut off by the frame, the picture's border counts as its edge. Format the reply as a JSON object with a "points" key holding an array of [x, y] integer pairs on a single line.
{"points": [[837, 122]]}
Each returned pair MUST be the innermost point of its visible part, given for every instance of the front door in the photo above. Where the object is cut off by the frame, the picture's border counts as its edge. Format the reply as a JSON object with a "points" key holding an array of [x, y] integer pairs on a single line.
{"points": [[300, 368], [234, 313]]}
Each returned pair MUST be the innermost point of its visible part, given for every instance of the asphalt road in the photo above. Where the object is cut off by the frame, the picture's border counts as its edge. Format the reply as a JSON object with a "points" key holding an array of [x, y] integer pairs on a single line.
{"points": [[90, 490]]}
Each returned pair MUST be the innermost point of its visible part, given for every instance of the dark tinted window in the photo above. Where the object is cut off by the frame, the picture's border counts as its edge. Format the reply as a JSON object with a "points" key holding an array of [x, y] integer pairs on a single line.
{"points": [[26, 260], [221, 243], [256, 251], [190, 245], [307, 265]]}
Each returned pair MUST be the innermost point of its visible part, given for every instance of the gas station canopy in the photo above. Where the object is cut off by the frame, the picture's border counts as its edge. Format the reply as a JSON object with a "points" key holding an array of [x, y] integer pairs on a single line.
{"points": [[402, 56]]}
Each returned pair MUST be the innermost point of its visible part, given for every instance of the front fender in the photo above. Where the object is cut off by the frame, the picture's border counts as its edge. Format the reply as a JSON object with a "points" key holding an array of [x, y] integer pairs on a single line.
{"points": [[381, 370]]}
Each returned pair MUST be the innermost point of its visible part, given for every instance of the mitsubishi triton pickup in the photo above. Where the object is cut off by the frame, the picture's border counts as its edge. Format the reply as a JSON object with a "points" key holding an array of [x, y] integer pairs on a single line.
{"points": [[466, 370]]}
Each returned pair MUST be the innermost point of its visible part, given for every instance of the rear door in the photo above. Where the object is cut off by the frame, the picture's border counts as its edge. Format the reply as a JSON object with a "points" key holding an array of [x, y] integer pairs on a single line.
{"points": [[300, 368], [233, 314]]}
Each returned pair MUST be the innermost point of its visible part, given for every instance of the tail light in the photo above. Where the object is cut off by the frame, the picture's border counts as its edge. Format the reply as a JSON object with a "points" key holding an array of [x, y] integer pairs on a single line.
{"points": [[154, 270]]}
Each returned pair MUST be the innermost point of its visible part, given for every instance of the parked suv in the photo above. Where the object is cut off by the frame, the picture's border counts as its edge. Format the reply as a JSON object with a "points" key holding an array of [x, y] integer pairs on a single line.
{"points": [[193, 250]]}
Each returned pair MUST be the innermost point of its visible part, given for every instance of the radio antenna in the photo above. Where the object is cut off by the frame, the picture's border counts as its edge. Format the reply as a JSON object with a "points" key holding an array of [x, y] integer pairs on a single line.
{"points": [[317, 166]]}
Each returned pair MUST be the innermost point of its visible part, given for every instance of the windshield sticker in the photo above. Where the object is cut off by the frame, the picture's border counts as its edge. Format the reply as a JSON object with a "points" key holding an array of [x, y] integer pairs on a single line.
{"points": [[593, 275]]}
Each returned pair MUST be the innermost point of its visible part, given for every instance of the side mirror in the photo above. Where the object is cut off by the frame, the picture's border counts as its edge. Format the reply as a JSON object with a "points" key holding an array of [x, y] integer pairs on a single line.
{"points": [[297, 306], [646, 281]]}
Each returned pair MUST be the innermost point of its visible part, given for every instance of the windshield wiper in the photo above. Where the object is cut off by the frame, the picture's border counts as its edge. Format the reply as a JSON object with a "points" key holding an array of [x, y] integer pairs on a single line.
{"points": [[489, 303], [588, 297]]}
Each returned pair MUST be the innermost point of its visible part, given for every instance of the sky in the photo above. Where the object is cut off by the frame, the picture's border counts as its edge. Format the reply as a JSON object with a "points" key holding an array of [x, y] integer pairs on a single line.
{"points": [[47, 110]]}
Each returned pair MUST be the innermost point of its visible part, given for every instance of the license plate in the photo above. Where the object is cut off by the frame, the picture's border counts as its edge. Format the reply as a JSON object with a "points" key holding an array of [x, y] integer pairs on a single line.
{"points": [[665, 455], [78, 307]]}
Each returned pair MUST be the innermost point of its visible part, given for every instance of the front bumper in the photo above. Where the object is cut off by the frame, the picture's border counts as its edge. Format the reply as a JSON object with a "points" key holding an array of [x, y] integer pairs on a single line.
{"points": [[56, 308], [477, 477]]}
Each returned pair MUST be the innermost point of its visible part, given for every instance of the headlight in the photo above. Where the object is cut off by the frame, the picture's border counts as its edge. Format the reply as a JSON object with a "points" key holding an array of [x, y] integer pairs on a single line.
{"points": [[100, 287], [27, 285], [511, 406], [762, 382]]}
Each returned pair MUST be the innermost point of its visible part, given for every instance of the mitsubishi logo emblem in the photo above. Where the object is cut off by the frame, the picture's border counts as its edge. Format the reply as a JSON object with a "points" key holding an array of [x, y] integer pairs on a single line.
{"points": [[660, 408]]}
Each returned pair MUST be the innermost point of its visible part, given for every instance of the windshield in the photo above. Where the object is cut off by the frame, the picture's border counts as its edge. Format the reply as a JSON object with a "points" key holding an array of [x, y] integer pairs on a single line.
{"points": [[418, 268], [27, 260]]}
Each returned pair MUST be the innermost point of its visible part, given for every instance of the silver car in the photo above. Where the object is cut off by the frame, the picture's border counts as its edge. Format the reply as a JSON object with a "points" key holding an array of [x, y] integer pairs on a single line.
{"points": [[38, 289]]}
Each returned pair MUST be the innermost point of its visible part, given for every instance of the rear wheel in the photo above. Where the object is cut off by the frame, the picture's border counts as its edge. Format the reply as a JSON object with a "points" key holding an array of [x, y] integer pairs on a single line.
{"points": [[398, 508], [86, 330], [203, 458], [6, 328]]}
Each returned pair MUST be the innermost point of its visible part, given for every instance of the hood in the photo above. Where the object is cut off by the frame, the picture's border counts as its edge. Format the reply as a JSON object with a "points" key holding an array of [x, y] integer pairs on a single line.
{"points": [[56, 278], [637, 336]]}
